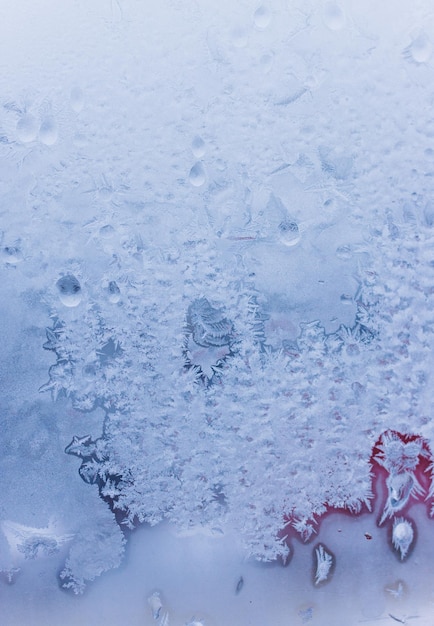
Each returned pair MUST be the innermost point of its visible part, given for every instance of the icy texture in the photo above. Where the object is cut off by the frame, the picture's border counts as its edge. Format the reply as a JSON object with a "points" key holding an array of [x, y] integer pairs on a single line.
{"points": [[96, 549], [401, 461], [233, 253], [33, 542]]}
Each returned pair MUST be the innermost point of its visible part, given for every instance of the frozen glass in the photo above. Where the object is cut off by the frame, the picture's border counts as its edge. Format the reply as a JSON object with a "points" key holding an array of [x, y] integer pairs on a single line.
{"points": [[217, 308]]}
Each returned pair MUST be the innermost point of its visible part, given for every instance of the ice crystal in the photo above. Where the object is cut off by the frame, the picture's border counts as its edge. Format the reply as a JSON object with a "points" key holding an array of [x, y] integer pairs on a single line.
{"points": [[34, 542], [95, 549], [324, 563], [401, 460]]}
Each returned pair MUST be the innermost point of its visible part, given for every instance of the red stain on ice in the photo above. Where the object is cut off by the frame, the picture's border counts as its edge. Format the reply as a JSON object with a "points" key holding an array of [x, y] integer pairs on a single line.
{"points": [[422, 473]]}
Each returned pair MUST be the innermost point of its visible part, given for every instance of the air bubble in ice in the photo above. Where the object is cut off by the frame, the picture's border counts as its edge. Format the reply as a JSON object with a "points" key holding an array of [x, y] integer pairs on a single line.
{"points": [[262, 17], [197, 175], [334, 17], [402, 536], [69, 290], [198, 147], [289, 232], [27, 128], [77, 100], [420, 49], [114, 292], [48, 131]]}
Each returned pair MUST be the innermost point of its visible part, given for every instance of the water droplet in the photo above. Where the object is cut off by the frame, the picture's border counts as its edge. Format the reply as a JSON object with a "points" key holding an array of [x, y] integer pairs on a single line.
{"points": [[69, 290], [344, 252], [334, 17], [48, 131], [27, 128], [420, 49], [198, 147], [240, 37], [266, 62], [114, 292], [107, 231], [12, 255], [289, 233], [346, 298], [220, 165], [197, 175], [79, 140], [77, 99], [428, 214], [262, 17]]}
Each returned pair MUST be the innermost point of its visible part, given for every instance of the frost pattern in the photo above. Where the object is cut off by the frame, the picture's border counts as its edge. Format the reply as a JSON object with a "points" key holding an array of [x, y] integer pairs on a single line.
{"points": [[324, 563], [34, 542], [401, 460], [96, 549], [282, 434]]}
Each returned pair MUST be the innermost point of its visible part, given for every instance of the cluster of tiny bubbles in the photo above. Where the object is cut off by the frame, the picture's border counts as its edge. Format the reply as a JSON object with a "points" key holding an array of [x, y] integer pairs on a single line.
{"points": [[334, 17], [27, 128], [262, 17], [197, 175], [288, 232], [69, 290], [76, 99], [48, 132]]}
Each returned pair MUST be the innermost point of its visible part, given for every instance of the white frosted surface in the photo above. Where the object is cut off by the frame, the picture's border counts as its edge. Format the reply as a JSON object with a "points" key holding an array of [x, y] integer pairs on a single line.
{"points": [[223, 214]]}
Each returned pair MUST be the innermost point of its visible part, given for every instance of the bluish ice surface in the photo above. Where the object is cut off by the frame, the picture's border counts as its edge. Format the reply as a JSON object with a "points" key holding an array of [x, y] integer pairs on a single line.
{"points": [[217, 264]]}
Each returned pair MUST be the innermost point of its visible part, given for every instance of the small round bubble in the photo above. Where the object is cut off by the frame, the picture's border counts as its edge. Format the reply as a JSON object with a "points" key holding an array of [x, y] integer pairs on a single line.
{"points": [[69, 290]]}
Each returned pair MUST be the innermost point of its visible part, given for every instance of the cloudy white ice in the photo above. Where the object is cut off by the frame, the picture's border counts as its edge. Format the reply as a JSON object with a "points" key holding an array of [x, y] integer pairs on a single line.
{"points": [[217, 314]]}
